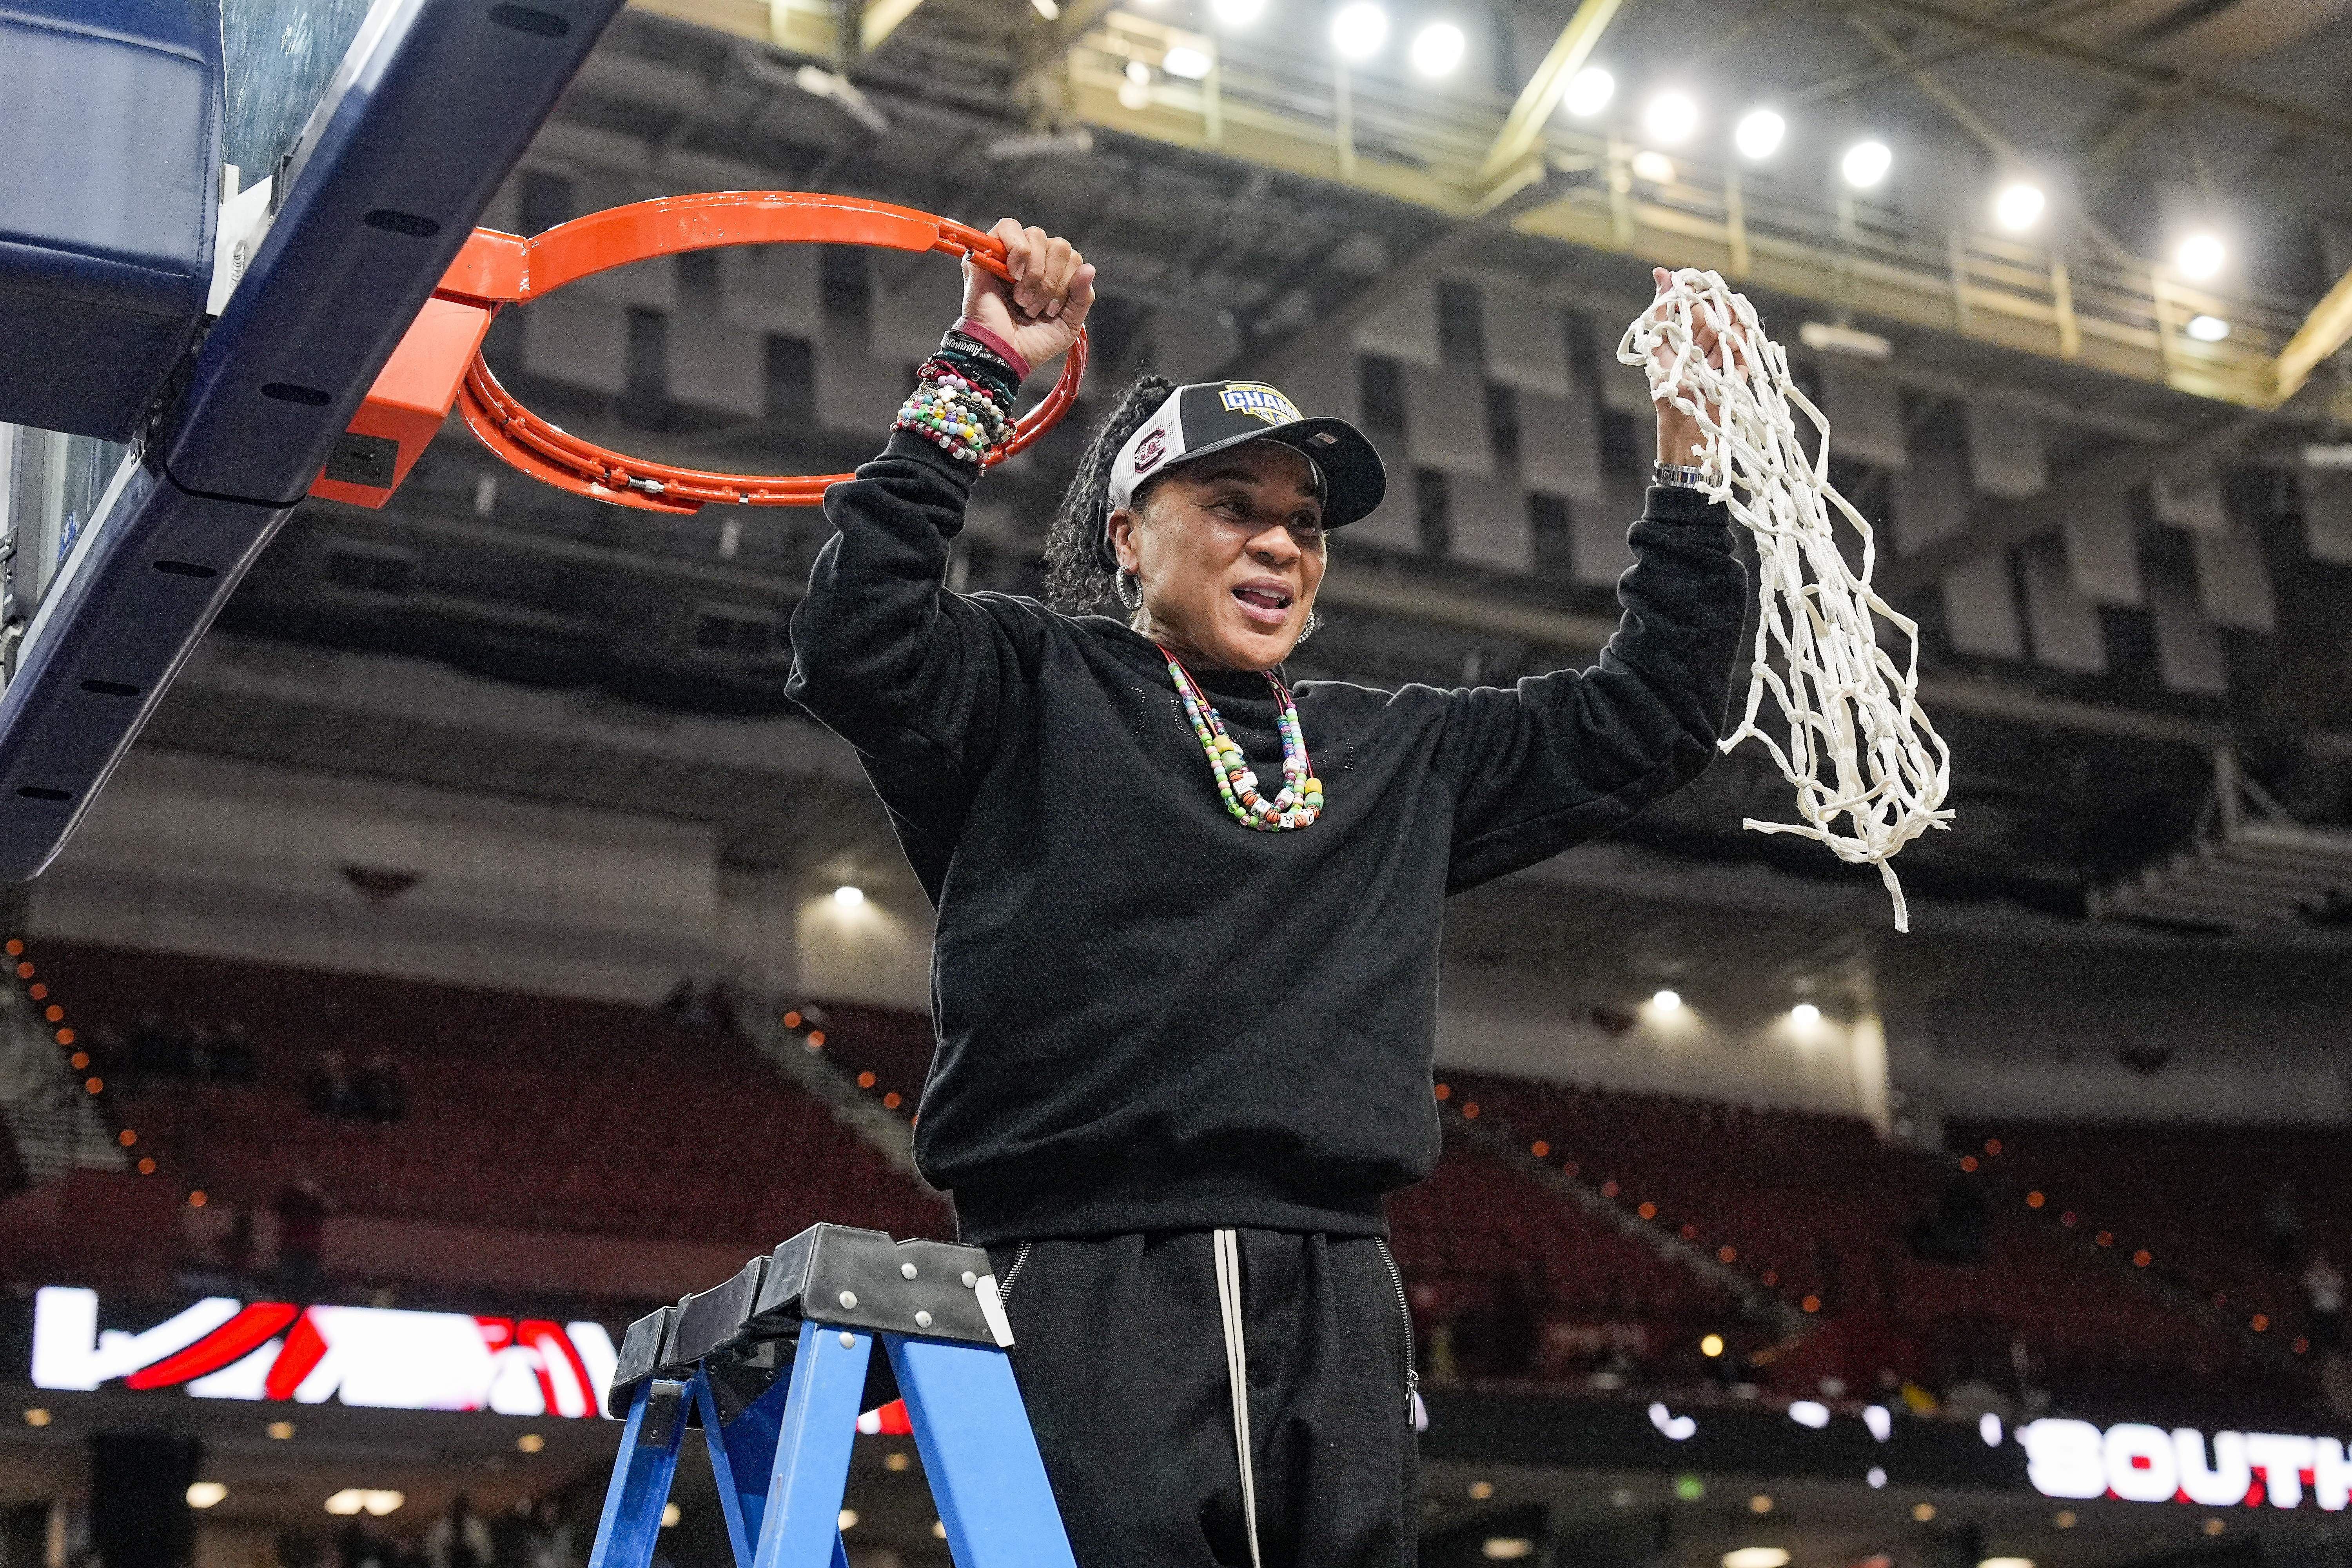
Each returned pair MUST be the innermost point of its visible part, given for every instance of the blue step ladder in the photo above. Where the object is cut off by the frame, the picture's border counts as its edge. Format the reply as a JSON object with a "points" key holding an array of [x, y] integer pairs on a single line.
{"points": [[772, 1366]]}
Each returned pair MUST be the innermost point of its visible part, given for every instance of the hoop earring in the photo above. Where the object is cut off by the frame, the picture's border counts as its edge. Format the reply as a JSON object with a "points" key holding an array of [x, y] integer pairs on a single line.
{"points": [[1314, 623], [1130, 591]]}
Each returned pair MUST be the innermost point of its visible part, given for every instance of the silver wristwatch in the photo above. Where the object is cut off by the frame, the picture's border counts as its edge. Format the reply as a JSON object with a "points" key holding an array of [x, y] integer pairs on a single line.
{"points": [[1677, 474]]}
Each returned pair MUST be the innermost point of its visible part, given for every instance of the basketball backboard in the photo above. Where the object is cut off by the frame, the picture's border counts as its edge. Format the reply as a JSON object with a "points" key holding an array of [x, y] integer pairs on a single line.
{"points": [[366, 138]]}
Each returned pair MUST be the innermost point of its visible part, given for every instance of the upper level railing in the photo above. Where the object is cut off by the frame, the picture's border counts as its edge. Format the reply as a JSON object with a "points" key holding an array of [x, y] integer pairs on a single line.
{"points": [[1301, 114]]}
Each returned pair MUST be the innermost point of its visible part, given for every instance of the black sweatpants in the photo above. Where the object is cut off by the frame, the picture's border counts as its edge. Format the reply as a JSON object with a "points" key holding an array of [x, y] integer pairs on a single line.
{"points": [[1121, 1354]]}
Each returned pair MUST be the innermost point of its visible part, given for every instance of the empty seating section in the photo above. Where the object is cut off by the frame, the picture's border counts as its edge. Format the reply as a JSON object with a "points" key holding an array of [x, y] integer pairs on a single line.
{"points": [[891, 1044], [528, 1111], [1815, 1208], [2236, 1214]]}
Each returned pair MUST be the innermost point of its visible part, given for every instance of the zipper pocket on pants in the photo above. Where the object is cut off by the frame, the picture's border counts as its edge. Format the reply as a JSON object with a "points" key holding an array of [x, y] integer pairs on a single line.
{"points": [[1404, 1316]]}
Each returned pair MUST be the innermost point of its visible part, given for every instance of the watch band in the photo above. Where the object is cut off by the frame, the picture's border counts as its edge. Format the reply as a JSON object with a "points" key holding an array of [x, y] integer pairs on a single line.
{"points": [[1677, 475]]}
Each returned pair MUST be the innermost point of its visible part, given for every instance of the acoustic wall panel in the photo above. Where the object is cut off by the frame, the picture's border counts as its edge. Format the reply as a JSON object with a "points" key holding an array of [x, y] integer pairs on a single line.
{"points": [[1559, 445], [1488, 519], [2328, 517], [1930, 499], [1404, 326], [2103, 551], [1979, 610], [1866, 416], [772, 289], [2233, 580], [856, 394], [2196, 506], [910, 301], [1445, 420], [1328, 383], [2063, 622], [1598, 550], [2006, 454], [581, 340], [712, 363], [2187, 648], [1186, 347], [1525, 339]]}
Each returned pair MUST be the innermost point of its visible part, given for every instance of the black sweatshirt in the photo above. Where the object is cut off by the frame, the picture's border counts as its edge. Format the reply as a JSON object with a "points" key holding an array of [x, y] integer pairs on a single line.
{"points": [[1152, 1017]]}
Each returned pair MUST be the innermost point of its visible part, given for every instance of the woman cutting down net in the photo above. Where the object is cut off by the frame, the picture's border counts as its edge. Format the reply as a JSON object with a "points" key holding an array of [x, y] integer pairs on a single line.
{"points": [[1186, 974]]}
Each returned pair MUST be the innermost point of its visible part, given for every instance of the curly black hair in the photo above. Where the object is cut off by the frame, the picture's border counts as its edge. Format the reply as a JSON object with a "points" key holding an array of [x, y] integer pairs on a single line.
{"points": [[1075, 577]]}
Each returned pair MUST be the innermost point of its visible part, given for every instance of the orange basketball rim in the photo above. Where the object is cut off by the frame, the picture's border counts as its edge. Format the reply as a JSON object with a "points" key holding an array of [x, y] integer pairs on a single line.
{"points": [[439, 364]]}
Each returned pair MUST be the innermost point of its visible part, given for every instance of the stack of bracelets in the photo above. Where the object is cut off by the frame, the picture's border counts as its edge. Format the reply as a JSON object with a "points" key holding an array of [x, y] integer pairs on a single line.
{"points": [[963, 401]]}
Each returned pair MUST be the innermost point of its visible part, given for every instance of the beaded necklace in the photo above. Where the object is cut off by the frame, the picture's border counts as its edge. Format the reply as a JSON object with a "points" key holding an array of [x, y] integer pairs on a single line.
{"points": [[1300, 801]]}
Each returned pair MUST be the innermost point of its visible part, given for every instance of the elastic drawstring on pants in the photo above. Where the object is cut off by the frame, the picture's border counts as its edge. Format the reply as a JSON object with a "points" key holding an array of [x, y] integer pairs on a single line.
{"points": [[1227, 1247]]}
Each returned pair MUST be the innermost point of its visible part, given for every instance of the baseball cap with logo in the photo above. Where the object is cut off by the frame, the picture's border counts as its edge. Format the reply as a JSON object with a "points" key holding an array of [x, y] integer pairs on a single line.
{"points": [[1212, 416]]}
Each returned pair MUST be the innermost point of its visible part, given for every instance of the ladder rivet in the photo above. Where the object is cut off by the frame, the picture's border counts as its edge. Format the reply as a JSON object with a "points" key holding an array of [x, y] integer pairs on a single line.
{"points": [[907, 1270], [848, 1341], [970, 1279], [849, 1298], [922, 1320]]}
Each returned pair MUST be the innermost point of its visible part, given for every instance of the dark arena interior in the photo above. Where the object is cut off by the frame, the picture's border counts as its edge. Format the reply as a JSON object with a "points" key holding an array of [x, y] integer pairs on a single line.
{"points": [[450, 915]]}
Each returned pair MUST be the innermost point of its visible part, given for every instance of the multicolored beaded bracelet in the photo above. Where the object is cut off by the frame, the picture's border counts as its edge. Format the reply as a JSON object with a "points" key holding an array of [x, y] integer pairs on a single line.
{"points": [[1300, 801], [948, 412]]}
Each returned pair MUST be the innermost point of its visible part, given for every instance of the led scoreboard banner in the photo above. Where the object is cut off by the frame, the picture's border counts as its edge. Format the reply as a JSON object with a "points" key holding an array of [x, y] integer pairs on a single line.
{"points": [[371, 1357]]}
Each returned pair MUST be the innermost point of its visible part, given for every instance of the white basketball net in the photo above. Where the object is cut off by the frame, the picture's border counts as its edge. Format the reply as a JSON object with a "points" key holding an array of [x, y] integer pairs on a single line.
{"points": [[1859, 747]]}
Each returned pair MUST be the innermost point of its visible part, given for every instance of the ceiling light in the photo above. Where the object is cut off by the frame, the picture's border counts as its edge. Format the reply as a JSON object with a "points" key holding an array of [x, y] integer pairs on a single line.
{"points": [[531, 1443], [2208, 328], [1810, 1413], [671, 1514], [1921, 1512], [1588, 92], [2006, 1563], [1824, 337], [1438, 48], [2066, 1518], [1134, 96], [1711, 1346], [849, 896], [1186, 62], [280, 1430], [1358, 30], [1758, 133], [206, 1494], [36, 1417], [1505, 1548], [1756, 1557], [1237, 13], [1759, 1503], [1666, 1001], [1865, 163], [1653, 166], [1876, 1477], [1670, 118], [1139, 73], [2019, 206], [1481, 1490], [846, 1519], [1049, 9], [2199, 257], [2327, 455], [1804, 1014]]}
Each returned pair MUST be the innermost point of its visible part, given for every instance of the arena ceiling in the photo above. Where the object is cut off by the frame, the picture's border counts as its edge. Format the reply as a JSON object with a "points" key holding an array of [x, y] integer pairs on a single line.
{"points": [[2140, 116]]}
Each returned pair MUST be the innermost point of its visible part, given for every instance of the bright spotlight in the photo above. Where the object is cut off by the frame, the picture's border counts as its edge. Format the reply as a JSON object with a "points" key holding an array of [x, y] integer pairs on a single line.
{"points": [[2006, 1563], [671, 1514], [1237, 13], [1758, 133], [846, 1519], [1358, 30], [2199, 257], [1866, 163], [1187, 62], [1588, 92], [1804, 1014], [206, 1494], [1711, 1346], [1505, 1548], [1653, 165], [849, 896], [1670, 118], [2208, 328], [1756, 1557], [2019, 206], [1438, 48], [1667, 1001]]}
